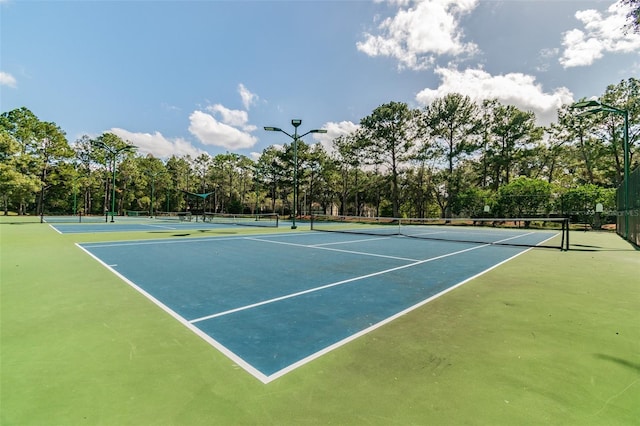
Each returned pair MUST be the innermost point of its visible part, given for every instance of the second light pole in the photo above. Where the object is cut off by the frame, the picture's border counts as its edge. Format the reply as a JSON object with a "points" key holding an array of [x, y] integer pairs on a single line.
{"points": [[295, 123], [594, 106], [113, 152]]}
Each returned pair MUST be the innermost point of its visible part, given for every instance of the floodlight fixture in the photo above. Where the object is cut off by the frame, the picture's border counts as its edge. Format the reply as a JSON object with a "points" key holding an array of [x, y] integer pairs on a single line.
{"points": [[585, 104], [296, 122]]}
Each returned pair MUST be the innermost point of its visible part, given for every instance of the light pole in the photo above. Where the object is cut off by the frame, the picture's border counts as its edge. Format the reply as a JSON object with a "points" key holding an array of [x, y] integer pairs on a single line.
{"points": [[295, 123], [153, 175], [596, 106], [113, 151], [75, 188]]}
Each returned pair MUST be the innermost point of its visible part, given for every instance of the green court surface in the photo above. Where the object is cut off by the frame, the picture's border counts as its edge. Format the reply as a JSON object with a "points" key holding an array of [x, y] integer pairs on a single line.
{"points": [[549, 337]]}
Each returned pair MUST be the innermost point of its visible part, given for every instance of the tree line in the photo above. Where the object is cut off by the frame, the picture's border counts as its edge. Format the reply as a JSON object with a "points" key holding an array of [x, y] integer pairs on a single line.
{"points": [[455, 157]]}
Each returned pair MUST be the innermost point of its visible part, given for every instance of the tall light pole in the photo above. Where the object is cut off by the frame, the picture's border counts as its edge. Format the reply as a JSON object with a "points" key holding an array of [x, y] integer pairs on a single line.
{"points": [[595, 106], [75, 188], [295, 123], [113, 152], [153, 175]]}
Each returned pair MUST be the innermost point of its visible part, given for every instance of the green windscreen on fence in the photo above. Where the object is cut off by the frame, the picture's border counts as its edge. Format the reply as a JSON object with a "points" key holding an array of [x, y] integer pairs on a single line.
{"points": [[628, 223]]}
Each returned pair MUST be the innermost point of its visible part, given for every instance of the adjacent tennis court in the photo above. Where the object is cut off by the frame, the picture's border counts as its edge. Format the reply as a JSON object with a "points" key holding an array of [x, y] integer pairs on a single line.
{"points": [[208, 221], [274, 302]]}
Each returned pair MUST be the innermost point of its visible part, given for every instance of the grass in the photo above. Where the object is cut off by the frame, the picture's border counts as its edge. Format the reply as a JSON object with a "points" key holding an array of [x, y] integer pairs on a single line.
{"points": [[548, 338]]}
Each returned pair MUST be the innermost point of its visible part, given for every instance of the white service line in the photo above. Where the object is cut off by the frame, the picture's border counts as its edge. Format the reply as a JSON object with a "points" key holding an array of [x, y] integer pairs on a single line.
{"points": [[349, 242], [333, 249], [161, 226], [312, 290]]}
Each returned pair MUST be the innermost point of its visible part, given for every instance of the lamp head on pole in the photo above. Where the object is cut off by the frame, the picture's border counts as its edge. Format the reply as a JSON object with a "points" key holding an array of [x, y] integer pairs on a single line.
{"points": [[585, 104], [595, 106], [296, 122]]}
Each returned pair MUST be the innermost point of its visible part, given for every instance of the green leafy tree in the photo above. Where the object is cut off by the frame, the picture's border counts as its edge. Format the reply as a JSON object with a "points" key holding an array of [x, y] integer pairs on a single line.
{"points": [[108, 149], [391, 132], [582, 154], [180, 173], [88, 180], [350, 151], [16, 188], [52, 149], [513, 131], [270, 173], [453, 124], [152, 182], [311, 176], [417, 191], [486, 113], [41, 146], [580, 202], [524, 197], [624, 95], [21, 125]]}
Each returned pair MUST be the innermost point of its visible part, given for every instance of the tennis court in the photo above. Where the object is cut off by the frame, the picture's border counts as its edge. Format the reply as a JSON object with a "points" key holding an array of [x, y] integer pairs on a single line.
{"points": [[102, 224], [549, 336], [275, 302]]}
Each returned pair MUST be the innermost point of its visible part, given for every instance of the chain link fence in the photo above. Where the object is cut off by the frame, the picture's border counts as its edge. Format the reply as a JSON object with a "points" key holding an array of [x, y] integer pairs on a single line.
{"points": [[628, 221]]}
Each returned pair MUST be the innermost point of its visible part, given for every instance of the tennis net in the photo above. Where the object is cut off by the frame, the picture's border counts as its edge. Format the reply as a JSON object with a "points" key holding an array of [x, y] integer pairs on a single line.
{"points": [[525, 232], [78, 218], [179, 216], [263, 219]]}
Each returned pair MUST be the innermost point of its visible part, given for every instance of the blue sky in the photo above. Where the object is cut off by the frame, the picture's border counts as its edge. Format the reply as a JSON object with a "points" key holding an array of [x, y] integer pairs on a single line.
{"points": [[187, 77]]}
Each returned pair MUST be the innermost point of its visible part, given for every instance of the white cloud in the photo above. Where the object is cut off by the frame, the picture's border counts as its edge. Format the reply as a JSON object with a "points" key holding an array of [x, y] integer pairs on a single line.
{"points": [[334, 130], [7, 79], [601, 34], [232, 117], [416, 35], [158, 145], [516, 89], [224, 134], [545, 55], [248, 99]]}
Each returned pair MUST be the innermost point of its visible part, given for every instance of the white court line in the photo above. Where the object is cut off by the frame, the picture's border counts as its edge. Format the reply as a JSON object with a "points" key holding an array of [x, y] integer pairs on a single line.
{"points": [[213, 342], [312, 290], [55, 229], [160, 226], [317, 247], [362, 277], [239, 360], [385, 321], [185, 240], [349, 242], [427, 233]]}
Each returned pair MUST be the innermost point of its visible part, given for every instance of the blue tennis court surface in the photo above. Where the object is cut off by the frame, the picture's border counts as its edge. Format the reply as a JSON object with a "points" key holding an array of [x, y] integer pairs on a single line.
{"points": [[274, 302]]}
